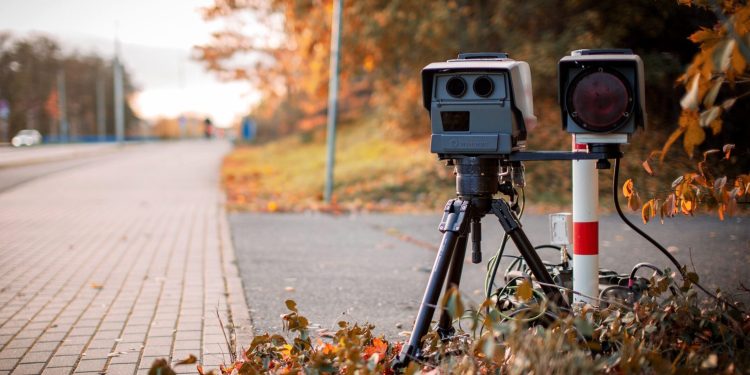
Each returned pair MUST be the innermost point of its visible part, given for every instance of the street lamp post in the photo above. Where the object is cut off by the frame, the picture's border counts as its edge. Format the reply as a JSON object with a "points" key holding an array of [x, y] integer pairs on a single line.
{"points": [[333, 85]]}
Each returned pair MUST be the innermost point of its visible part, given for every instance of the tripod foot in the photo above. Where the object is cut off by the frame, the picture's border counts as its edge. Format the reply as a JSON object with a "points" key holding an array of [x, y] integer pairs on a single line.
{"points": [[402, 360], [446, 333]]}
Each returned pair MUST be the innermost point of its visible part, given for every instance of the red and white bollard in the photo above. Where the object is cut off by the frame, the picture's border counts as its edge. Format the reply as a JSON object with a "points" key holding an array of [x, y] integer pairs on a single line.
{"points": [[585, 228]]}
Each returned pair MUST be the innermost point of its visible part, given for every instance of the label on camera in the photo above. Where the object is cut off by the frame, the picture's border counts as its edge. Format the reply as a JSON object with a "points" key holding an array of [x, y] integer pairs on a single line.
{"points": [[467, 143]]}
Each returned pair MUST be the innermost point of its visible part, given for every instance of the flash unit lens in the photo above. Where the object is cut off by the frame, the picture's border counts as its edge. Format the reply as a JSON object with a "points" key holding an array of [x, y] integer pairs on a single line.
{"points": [[483, 86], [456, 87], [599, 101]]}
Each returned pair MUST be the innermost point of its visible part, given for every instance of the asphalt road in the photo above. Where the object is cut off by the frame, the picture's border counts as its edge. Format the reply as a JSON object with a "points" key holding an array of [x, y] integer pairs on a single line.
{"points": [[21, 165], [373, 268]]}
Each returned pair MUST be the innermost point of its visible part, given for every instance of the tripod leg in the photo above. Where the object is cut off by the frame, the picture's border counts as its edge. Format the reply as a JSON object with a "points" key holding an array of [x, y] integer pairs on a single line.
{"points": [[512, 227], [445, 327], [451, 226]]}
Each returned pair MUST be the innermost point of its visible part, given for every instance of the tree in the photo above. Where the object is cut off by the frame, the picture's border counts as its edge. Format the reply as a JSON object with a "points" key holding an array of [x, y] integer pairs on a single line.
{"points": [[714, 82], [28, 80], [283, 51]]}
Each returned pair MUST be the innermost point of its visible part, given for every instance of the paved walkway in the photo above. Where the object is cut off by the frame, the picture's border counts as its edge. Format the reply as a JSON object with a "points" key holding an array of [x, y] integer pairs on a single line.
{"points": [[108, 266]]}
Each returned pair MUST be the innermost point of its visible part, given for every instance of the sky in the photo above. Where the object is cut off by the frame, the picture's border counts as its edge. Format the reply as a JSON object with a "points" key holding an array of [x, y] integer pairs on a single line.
{"points": [[156, 38]]}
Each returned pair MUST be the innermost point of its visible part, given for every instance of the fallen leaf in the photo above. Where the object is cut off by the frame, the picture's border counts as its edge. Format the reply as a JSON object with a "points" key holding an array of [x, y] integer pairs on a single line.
{"points": [[378, 347], [188, 361], [161, 367], [272, 206], [96, 285]]}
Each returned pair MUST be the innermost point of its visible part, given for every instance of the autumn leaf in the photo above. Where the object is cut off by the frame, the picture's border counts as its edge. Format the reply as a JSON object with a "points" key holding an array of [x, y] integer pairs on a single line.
{"points": [[722, 56], [286, 351], [369, 63], [634, 202], [627, 188], [713, 92], [378, 347], [687, 207], [694, 136], [690, 100], [716, 125], [160, 367], [731, 203], [328, 349], [647, 211], [671, 140], [704, 35], [189, 360], [452, 303], [272, 206], [728, 103], [719, 185], [669, 208], [524, 291], [647, 167], [727, 149], [708, 116]]}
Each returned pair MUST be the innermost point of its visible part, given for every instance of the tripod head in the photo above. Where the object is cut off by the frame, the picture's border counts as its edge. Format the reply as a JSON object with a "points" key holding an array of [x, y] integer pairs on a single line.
{"points": [[478, 179]]}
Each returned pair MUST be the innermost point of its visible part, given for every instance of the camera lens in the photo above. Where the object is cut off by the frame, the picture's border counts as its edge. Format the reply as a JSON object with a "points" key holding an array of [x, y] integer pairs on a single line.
{"points": [[600, 101], [483, 86], [456, 87]]}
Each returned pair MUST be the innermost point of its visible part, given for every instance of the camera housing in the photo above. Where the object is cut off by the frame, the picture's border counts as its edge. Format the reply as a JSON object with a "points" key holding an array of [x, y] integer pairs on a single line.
{"points": [[601, 95], [480, 104]]}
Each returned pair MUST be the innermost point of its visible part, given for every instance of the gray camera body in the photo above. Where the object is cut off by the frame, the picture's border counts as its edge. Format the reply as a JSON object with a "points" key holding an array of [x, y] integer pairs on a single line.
{"points": [[480, 104]]}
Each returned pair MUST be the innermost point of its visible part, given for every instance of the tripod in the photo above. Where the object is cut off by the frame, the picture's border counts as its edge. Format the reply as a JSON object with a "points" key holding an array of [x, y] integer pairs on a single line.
{"points": [[476, 183]]}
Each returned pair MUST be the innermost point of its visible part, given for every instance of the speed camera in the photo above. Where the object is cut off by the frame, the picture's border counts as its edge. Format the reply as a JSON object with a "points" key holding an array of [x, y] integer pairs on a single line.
{"points": [[480, 104], [601, 95]]}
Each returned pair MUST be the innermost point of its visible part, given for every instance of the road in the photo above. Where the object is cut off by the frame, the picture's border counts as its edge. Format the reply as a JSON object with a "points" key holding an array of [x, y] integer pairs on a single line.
{"points": [[375, 267], [23, 156]]}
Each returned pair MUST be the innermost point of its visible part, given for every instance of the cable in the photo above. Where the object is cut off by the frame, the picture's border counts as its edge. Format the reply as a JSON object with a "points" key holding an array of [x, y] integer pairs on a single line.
{"points": [[615, 186], [645, 265], [612, 287], [495, 263], [554, 247]]}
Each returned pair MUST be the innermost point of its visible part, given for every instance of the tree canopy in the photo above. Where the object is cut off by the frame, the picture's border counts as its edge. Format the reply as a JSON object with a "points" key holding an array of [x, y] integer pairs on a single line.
{"points": [[29, 69]]}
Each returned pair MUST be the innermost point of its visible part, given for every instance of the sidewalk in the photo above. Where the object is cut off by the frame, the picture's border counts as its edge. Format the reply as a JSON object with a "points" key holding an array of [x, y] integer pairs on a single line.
{"points": [[109, 266]]}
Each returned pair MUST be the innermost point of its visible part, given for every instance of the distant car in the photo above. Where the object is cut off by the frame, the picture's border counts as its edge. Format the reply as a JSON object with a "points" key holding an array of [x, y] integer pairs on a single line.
{"points": [[27, 137]]}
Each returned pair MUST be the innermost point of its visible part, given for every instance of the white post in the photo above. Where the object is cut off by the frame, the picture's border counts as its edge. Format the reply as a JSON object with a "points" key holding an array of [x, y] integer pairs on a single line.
{"points": [[585, 227], [333, 88]]}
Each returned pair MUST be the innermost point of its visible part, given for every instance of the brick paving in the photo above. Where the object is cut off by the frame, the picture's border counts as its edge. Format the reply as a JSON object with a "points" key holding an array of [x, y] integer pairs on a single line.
{"points": [[106, 267]]}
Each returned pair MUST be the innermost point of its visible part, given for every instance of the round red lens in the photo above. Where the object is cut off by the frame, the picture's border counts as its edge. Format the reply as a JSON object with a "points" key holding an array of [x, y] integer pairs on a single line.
{"points": [[600, 101]]}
